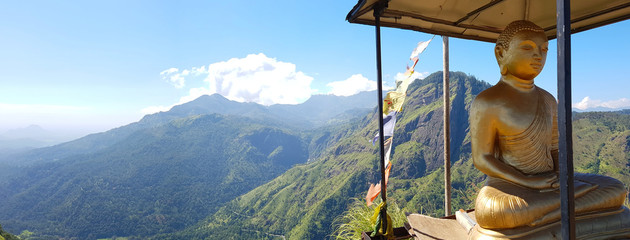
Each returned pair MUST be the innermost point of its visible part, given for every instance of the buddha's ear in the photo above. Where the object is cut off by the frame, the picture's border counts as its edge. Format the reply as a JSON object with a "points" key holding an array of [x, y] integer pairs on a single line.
{"points": [[499, 52]]}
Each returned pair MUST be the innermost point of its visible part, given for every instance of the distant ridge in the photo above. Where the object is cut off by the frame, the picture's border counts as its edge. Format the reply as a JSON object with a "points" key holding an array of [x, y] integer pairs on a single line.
{"points": [[315, 112], [601, 109], [21, 139]]}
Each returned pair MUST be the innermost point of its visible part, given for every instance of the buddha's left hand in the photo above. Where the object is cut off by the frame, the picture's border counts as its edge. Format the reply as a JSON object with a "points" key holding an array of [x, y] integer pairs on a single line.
{"points": [[547, 180]]}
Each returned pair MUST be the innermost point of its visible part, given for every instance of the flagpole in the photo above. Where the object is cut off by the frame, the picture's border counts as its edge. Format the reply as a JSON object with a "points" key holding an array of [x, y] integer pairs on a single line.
{"points": [[378, 10], [447, 130]]}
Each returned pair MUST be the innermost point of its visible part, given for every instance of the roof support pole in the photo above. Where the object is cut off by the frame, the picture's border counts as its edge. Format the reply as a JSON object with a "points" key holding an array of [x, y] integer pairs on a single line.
{"points": [[378, 10], [565, 126], [447, 129]]}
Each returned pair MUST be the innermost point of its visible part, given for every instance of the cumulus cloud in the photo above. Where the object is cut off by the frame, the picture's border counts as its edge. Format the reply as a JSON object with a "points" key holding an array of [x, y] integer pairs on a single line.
{"points": [[260, 79], [353, 85], [587, 103], [178, 78], [174, 77], [255, 78]]}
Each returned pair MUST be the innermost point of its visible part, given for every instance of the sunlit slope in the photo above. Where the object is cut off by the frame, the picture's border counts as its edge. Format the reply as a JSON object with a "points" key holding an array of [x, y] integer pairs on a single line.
{"points": [[602, 143], [303, 202]]}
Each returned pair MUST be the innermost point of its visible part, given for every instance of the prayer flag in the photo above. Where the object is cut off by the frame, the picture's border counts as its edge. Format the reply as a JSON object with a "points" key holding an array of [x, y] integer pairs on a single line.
{"points": [[392, 105], [420, 48]]}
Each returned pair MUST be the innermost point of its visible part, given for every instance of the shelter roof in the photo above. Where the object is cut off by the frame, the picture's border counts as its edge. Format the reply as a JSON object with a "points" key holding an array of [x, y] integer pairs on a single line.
{"points": [[485, 19]]}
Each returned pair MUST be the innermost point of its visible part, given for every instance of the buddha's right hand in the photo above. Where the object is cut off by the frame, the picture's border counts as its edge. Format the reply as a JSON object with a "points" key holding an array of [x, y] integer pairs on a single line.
{"points": [[547, 180]]}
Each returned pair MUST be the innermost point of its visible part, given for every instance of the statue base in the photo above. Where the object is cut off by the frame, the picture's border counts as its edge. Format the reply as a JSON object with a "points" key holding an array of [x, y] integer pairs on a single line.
{"points": [[600, 225]]}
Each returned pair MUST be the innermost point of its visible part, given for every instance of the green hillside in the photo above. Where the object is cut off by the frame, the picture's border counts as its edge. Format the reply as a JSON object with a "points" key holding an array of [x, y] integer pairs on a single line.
{"points": [[303, 202], [7, 236], [157, 180], [235, 176], [602, 144]]}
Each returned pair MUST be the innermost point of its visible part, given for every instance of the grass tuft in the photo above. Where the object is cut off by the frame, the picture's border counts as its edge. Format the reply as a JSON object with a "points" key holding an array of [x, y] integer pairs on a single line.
{"points": [[356, 219]]}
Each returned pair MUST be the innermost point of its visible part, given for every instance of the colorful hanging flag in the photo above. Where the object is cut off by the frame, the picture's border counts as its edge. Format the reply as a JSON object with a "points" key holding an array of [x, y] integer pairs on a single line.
{"points": [[392, 105], [420, 48]]}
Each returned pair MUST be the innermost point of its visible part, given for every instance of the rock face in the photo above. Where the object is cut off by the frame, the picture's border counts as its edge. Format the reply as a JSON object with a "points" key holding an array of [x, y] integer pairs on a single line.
{"points": [[422, 118]]}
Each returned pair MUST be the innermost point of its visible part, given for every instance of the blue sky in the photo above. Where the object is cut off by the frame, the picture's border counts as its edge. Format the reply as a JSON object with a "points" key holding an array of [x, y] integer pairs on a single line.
{"points": [[87, 66]]}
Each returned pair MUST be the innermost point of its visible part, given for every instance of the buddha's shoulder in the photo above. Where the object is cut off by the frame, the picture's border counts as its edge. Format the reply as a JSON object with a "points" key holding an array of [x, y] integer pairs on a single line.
{"points": [[546, 95], [490, 98]]}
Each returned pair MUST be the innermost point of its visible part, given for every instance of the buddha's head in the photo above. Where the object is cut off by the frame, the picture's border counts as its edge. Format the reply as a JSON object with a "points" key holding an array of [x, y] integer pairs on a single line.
{"points": [[521, 50]]}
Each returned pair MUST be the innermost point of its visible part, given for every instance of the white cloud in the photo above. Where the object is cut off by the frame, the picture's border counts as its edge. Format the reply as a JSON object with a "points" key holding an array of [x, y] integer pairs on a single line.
{"points": [[255, 78], [353, 85], [169, 71], [173, 76], [178, 79], [587, 103]]}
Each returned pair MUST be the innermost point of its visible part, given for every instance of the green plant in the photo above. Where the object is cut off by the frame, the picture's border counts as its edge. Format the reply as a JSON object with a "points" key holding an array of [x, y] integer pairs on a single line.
{"points": [[356, 219]]}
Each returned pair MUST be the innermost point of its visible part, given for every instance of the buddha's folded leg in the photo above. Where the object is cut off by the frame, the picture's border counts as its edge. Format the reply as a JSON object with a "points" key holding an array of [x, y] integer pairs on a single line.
{"points": [[609, 194], [502, 204]]}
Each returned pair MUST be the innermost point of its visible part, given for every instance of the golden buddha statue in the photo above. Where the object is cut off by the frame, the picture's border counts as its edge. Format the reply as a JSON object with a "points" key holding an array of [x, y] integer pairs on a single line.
{"points": [[515, 142]]}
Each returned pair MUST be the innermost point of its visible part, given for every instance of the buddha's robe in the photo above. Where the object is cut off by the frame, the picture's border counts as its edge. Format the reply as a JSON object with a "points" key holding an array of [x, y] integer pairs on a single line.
{"points": [[502, 204]]}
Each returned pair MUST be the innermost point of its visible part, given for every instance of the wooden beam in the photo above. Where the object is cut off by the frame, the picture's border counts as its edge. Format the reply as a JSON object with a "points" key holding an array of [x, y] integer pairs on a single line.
{"points": [[478, 10], [399, 14]]}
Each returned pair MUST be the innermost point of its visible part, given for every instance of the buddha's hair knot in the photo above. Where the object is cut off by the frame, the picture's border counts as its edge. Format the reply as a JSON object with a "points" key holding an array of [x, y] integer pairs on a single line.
{"points": [[514, 27]]}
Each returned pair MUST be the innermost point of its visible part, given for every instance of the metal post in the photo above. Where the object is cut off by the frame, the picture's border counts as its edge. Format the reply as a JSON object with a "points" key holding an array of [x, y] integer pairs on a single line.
{"points": [[378, 9], [565, 141], [447, 130]]}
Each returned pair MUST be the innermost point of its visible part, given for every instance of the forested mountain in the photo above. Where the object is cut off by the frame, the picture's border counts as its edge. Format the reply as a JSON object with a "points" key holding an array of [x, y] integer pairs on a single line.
{"points": [[304, 202], [602, 143], [156, 180], [6, 236], [245, 171], [167, 171]]}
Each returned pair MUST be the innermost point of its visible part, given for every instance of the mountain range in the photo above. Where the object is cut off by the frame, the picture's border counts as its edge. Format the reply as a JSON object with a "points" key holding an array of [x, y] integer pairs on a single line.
{"points": [[303, 202], [318, 111], [24, 139], [167, 171], [218, 169]]}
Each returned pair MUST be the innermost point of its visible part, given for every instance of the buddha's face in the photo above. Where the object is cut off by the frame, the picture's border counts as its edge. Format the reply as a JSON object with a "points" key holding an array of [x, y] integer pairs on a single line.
{"points": [[525, 56]]}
